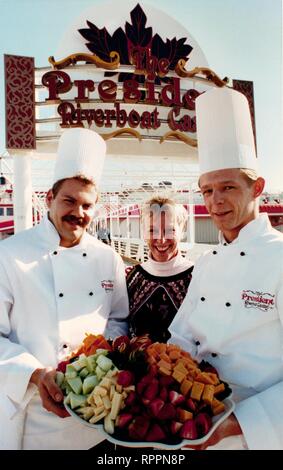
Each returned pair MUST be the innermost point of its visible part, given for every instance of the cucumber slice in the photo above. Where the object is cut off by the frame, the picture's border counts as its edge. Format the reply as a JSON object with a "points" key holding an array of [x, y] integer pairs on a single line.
{"points": [[59, 378], [68, 389], [70, 372], [89, 383], [99, 372], [91, 363], [101, 351], [79, 364], [76, 384], [104, 362], [84, 373], [67, 399], [77, 400]]}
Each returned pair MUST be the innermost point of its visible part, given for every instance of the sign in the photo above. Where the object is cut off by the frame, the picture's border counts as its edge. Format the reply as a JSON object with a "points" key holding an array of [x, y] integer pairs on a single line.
{"points": [[131, 82], [59, 82], [151, 85]]}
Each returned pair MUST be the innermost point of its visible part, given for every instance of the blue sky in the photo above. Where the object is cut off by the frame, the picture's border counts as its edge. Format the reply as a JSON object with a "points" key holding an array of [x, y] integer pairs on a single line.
{"points": [[241, 40]]}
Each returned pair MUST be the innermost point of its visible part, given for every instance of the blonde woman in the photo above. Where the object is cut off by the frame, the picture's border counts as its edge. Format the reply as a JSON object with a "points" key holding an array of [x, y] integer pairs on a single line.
{"points": [[158, 286]]}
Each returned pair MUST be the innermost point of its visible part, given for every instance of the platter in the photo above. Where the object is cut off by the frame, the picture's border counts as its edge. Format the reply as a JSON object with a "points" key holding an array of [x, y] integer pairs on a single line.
{"points": [[216, 421]]}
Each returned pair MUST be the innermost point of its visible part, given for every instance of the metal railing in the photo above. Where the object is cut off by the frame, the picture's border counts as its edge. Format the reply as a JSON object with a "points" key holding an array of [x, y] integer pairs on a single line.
{"points": [[39, 207], [137, 250]]}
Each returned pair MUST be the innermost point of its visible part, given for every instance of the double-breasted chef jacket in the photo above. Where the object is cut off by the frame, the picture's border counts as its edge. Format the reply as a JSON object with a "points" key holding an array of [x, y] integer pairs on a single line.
{"points": [[50, 296], [232, 317]]}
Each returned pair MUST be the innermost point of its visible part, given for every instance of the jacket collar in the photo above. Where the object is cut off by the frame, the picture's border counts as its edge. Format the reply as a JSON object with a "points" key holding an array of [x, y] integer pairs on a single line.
{"points": [[254, 228], [167, 268], [51, 237]]}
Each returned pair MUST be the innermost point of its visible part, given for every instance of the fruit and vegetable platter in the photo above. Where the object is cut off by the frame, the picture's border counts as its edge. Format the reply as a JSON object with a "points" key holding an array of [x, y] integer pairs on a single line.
{"points": [[141, 393]]}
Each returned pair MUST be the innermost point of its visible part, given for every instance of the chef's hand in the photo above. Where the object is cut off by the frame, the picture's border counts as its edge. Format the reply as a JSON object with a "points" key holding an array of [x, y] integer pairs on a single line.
{"points": [[51, 395], [229, 427]]}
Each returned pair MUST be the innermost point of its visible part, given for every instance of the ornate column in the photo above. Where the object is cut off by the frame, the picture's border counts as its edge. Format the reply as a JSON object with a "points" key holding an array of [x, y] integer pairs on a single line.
{"points": [[22, 192], [20, 133]]}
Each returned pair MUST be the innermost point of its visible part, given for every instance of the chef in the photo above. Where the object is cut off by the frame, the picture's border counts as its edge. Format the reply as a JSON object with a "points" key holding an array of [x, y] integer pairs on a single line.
{"points": [[57, 283], [233, 314]]}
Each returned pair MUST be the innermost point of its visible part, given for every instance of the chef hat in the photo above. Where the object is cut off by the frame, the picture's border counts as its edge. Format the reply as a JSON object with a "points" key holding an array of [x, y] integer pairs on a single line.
{"points": [[224, 130], [80, 152]]}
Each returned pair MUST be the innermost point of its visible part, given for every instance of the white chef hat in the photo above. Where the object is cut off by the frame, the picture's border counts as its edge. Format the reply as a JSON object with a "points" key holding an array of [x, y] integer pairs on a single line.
{"points": [[224, 131], [81, 152]]}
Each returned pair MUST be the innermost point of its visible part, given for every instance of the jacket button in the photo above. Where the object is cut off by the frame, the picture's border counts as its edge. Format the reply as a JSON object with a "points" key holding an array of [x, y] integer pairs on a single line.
{"points": [[91, 293], [225, 244], [242, 253], [228, 304], [61, 294], [214, 354], [214, 252], [84, 254], [65, 346], [55, 252], [197, 343], [202, 299]]}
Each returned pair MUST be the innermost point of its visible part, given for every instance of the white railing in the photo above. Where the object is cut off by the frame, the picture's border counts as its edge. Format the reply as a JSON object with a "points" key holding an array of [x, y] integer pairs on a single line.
{"points": [[39, 206], [137, 250]]}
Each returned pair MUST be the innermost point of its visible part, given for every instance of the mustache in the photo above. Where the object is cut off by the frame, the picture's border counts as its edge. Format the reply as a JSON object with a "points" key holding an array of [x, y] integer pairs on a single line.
{"points": [[71, 218]]}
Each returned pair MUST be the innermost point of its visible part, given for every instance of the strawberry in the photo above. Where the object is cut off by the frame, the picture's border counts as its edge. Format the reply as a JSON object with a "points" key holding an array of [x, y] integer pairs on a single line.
{"points": [[151, 390], [176, 398], [145, 401], [125, 378], [121, 344], [140, 343], [163, 394], [203, 424], [155, 433], [135, 409], [153, 370], [62, 366], [191, 404], [189, 430], [131, 398], [138, 428], [175, 427], [166, 380], [156, 405], [167, 412], [123, 420], [146, 380]]}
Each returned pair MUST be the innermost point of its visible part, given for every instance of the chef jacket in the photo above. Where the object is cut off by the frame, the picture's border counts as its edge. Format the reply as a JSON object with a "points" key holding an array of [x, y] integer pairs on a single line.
{"points": [[50, 296], [232, 317]]}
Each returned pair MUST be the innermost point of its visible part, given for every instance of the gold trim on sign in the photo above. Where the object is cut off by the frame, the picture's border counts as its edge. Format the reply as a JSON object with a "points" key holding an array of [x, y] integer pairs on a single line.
{"points": [[208, 73], [126, 130], [82, 56], [178, 135]]}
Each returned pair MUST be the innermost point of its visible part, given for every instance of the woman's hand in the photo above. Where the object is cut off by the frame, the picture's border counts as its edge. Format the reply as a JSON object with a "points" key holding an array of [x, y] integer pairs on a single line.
{"points": [[51, 395]]}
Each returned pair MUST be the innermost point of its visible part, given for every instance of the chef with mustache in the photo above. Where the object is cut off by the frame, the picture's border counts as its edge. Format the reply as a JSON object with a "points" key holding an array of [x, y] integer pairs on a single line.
{"points": [[57, 283], [232, 316]]}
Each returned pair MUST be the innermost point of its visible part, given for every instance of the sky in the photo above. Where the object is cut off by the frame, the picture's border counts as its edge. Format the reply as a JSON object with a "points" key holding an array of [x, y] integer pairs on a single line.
{"points": [[240, 39]]}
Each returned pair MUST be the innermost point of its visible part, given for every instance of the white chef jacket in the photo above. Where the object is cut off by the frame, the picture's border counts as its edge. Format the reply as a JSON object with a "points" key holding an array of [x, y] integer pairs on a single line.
{"points": [[50, 296], [232, 317]]}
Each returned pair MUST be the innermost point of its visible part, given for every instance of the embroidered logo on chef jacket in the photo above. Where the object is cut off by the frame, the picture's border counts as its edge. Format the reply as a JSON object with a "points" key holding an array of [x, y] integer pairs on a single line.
{"points": [[261, 300], [107, 285]]}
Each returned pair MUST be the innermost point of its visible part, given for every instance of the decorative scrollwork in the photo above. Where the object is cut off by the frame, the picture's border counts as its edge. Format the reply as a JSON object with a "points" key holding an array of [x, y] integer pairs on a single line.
{"points": [[85, 57], [205, 71], [20, 109], [126, 130], [180, 136]]}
